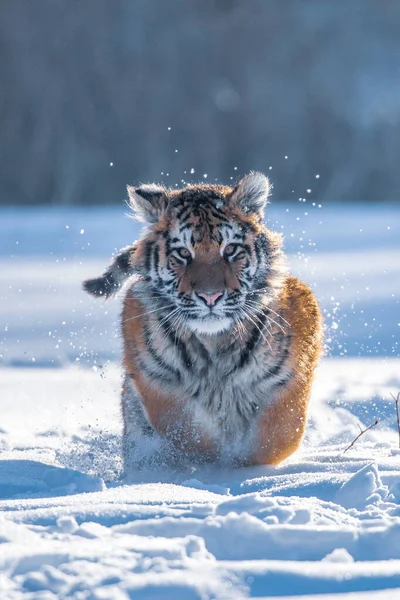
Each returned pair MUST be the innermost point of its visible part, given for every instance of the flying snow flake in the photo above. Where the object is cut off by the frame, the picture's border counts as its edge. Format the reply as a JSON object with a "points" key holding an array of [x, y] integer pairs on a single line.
{"points": [[111, 164], [82, 231]]}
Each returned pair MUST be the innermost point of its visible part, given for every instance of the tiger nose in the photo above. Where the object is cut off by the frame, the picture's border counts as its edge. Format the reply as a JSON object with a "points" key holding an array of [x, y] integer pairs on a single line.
{"points": [[210, 299]]}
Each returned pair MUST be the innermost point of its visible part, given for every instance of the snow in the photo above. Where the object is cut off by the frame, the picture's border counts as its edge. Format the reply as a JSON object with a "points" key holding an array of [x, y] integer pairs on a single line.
{"points": [[323, 525]]}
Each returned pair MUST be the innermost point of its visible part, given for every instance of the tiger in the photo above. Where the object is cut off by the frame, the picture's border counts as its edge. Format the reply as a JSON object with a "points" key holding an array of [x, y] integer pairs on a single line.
{"points": [[220, 342]]}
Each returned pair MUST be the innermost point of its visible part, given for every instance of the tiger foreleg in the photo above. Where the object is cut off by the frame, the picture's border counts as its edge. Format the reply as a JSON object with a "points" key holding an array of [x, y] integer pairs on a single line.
{"points": [[138, 435], [281, 426]]}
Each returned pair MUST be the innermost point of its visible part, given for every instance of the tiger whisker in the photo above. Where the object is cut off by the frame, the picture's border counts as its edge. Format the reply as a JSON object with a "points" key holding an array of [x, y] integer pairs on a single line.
{"points": [[241, 328], [147, 313], [273, 311], [256, 308], [166, 332], [254, 323], [181, 329], [174, 325], [259, 329], [163, 320], [280, 316]]}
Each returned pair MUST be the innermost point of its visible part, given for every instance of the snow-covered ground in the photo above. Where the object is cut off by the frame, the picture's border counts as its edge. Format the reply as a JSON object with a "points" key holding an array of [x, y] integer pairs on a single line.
{"points": [[324, 522]]}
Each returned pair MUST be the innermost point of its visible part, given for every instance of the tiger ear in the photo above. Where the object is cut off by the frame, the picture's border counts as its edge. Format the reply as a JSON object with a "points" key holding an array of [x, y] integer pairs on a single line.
{"points": [[250, 194], [148, 202]]}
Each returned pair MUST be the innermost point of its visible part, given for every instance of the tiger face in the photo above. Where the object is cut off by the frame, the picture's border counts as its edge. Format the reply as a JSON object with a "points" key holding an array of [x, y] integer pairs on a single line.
{"points": [[208, 254]]}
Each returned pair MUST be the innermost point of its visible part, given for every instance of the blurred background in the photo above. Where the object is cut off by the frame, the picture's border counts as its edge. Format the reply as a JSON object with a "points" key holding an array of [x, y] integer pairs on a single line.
{"points": [[98, 94]]}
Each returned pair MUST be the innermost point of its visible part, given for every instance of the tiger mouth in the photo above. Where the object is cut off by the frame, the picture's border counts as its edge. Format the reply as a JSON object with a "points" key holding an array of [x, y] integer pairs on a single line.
{"points": [[210, 324], [212, 317]]}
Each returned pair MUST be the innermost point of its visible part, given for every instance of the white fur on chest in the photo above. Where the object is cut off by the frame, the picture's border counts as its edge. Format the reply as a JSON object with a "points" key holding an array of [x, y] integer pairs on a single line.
{"points": [[232, 404]]}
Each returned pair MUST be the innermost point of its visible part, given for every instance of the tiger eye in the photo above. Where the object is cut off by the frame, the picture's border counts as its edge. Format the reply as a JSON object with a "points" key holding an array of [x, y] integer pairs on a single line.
{"points": [[183, 252], [229, 250]]}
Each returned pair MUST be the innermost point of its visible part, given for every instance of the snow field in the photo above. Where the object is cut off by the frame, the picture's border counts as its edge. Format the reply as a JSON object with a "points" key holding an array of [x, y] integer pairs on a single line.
{"points": [[323, 525], [323, 521]]}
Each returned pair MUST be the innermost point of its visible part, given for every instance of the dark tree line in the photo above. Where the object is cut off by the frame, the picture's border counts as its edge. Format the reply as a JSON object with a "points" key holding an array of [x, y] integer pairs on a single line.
{"points": [[240, 83]]}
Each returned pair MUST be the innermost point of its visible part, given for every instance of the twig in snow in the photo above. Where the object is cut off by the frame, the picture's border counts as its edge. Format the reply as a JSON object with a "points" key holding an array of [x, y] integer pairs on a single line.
{"points": [[397, 401], [362, 433]]}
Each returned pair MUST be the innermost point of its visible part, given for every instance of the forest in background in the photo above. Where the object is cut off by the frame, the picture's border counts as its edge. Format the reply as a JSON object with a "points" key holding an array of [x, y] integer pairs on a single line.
{"points": [[98, 94]]}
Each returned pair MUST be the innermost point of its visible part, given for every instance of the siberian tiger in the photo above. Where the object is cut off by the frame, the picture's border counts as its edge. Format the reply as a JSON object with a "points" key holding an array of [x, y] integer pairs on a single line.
{"points": [[220, 343]]}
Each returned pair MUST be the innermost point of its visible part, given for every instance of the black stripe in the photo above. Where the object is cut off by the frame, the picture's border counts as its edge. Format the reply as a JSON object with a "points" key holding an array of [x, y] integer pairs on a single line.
{"points": [[182, 211], [148, 195], [158, 359], [219, 216], [183, 227], [156, 258], [175, 341], [254, 338], [168, 244], [257, 248], [148, 254], [273, 371], [202, 350], [283, 381], [151, 374], [196, 392], [177, 259]]}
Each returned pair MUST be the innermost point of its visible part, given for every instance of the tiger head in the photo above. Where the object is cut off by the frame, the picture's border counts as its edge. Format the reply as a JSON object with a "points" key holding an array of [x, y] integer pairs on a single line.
{"points": [[207, 253]]}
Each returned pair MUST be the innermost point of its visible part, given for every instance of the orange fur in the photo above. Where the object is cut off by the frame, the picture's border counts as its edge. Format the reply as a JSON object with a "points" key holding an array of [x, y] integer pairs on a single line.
{"points": [[168, 415], [282, 424], [226, 380]]}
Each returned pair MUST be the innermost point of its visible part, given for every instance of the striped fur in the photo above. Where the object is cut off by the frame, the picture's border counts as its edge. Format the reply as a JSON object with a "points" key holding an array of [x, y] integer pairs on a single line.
{"points": [[114, 276], [220, 344]]}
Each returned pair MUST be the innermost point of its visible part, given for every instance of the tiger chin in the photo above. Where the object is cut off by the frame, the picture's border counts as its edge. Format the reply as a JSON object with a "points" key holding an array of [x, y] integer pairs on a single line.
{"points": [[220, 342]]}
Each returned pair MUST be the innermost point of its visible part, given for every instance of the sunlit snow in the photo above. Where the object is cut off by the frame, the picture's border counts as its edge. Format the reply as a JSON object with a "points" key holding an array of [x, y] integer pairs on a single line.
{"points": [[324, 522]]}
